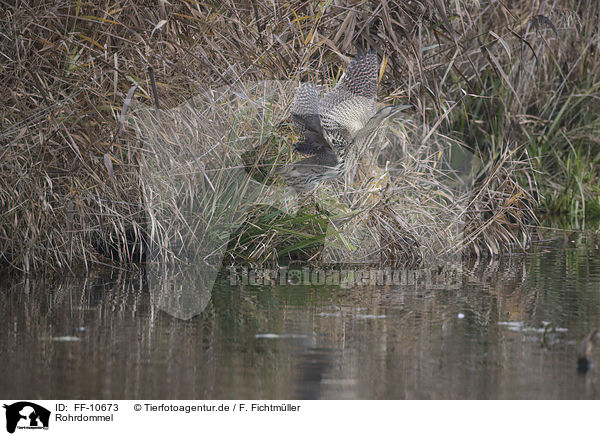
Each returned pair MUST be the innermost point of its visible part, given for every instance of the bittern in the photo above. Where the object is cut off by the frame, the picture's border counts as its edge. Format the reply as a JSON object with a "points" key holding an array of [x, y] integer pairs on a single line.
{"points": [[336, 129]]}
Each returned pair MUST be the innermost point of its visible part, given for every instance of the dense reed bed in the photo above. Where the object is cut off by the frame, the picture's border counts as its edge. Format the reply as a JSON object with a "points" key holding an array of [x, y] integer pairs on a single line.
{"points": [[88, 175]]}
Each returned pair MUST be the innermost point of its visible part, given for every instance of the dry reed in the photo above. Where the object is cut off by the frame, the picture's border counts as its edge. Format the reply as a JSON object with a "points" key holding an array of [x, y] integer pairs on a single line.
{"points": [[72, 171]]}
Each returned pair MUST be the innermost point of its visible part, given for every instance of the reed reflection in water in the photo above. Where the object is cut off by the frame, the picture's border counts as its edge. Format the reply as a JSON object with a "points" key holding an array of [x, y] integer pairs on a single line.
{"points": [[509, 330]]}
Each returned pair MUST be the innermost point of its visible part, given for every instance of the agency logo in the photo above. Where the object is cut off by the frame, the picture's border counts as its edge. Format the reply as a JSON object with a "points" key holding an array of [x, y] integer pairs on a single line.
{"points": [[211, 163], [26, 415]]}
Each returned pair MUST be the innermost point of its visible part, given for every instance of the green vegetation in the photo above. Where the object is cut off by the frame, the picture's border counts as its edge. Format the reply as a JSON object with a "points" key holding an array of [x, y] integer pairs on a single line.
{"points": [[518, 85]]}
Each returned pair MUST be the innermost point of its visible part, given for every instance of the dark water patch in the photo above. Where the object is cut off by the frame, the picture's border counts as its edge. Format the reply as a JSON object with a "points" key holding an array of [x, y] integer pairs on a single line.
{"points": [[510, 328]]}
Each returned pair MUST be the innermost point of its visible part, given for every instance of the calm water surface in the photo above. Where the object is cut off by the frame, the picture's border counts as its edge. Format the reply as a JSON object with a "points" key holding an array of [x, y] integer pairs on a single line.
{"points": [[100, 338]]}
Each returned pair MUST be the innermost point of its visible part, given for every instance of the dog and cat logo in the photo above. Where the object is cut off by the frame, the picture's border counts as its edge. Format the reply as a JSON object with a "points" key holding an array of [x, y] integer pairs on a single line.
{"points": [[26, 415]]}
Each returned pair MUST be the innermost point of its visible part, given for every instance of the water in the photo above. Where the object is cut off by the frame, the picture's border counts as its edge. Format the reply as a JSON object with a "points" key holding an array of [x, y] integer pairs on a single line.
{"points": [[100, 338]]}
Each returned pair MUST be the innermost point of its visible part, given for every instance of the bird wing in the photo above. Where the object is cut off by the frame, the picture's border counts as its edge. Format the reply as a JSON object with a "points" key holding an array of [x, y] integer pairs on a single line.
{"points": [[352, 103], [308, 172], [305, 116]]}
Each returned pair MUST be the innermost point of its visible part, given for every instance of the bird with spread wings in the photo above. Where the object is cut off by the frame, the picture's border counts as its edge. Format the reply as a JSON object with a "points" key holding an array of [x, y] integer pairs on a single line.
{"points": [[335, 127]]}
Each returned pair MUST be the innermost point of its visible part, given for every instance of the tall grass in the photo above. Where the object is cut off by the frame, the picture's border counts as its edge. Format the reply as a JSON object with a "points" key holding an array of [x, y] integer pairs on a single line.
{"points": [[518, 86]]}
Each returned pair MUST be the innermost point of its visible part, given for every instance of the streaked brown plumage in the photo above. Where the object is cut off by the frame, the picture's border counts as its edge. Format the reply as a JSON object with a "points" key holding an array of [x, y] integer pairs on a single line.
{"points": [[335, 129]]}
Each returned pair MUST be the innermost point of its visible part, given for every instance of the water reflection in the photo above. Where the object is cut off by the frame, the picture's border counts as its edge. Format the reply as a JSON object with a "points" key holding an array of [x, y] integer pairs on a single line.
{"points": [[510, 330]]}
